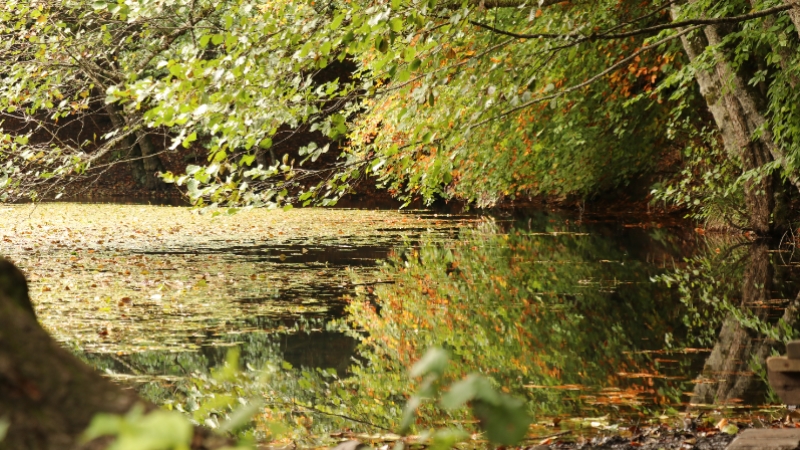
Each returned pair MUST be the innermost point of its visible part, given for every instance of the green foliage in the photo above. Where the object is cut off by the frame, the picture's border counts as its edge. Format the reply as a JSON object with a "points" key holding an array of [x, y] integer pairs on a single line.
{"points": [[436, 107], [708, 185], [472, 114], [157, 430], [246, 400], [502, 417], [705, 289], [4, 424]]}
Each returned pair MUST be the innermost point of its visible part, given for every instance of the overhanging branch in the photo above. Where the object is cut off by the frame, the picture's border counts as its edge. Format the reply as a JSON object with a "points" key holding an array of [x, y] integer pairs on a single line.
{"points": [[491, 4], [640, 31]]}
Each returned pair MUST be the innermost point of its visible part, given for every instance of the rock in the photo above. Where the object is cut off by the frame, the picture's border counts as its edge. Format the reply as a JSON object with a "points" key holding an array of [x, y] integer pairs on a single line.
{"points": [[766, 439], [793, 350]]}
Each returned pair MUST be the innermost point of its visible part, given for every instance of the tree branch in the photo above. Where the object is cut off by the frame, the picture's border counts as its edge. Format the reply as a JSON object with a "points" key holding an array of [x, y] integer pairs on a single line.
{"points": [[640, 31], [491, 4]]}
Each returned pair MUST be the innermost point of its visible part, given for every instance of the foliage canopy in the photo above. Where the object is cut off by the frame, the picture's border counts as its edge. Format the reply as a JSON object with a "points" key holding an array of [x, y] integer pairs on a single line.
{"points": [[476, 100]]}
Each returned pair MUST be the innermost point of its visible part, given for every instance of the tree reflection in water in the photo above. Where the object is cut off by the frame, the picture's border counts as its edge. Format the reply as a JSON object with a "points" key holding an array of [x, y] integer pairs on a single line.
{"points": [[567, 317], [580, 321], [747, 289]]}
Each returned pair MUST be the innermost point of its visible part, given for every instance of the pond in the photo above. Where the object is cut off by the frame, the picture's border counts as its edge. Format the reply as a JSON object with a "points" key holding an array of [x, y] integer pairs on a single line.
{"points": [[596, 324]]}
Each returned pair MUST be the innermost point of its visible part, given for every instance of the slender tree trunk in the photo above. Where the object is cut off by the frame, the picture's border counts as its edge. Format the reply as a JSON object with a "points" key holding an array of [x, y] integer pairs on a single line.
{"points": [[737, 110]]}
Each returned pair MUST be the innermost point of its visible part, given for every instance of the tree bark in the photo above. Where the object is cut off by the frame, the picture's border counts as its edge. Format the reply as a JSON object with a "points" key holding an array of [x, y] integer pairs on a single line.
{"points": [[47, 395], [152, 163], [737, 111], [144, 162]]}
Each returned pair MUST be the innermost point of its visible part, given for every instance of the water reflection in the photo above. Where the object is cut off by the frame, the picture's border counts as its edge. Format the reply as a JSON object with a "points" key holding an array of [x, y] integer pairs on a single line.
{"points": [[587, 321], [745, 292], [582, 320], [565, 315]]}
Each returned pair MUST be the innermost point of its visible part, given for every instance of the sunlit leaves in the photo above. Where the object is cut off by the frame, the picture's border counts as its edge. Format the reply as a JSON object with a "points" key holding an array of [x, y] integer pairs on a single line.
{"points": [[156, 430]]}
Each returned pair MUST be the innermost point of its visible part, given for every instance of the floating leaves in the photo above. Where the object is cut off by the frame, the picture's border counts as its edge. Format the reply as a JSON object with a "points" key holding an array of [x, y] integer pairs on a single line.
{"points": [[151, 277]]}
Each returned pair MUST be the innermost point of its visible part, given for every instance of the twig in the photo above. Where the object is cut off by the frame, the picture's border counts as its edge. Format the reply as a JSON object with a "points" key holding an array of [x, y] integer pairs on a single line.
{"points": [[352, 419], [548, 436]]}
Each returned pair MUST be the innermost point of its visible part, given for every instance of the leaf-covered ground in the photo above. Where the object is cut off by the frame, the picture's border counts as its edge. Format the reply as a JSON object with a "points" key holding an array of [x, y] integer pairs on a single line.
{"points": [[126, 278]]}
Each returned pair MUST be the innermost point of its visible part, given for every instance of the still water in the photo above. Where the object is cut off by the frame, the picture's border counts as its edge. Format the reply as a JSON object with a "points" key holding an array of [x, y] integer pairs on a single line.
{"points": [[594, 319]]}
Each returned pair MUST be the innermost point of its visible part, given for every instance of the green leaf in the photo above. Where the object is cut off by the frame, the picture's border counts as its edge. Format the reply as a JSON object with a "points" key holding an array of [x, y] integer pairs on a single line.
{"points": [[158, 430], [409, 412], [396, 24], [102, 424], [306, 49], [247, 160], [325, 49], [460, 393], [415, 64], [434, 361], [730, 429], [505, 423], [189, 139], [403, 75], [382, 44], [177, 70], [242, 416], [447, 438], [336, 22]]}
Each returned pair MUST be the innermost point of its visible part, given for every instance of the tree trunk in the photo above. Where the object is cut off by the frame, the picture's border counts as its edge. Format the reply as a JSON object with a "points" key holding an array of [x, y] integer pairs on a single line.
{"points": [[152, 163], [47, 395], [794, 14], [737, 111], [143, 161], [134, 155]]}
